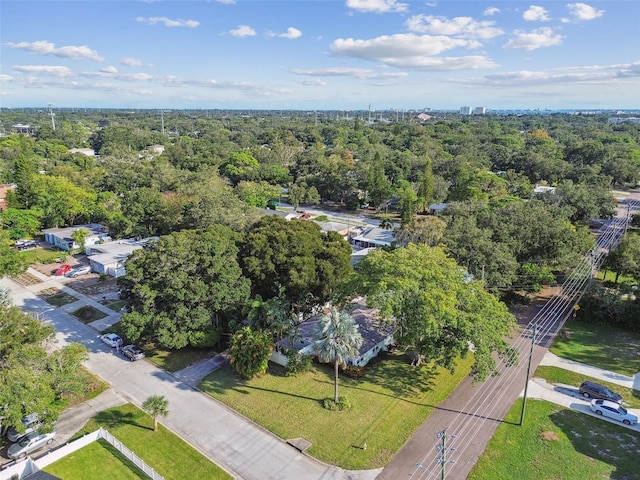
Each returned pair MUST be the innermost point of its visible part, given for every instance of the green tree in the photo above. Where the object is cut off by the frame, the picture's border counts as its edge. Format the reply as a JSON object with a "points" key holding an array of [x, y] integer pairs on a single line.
{"points": [[408, 204], [156, 406], [249, 352], [183, 286], [241, 166], [624, 259], [79, 237], [256, 193], [438, 311], [427, 230], [63, 367], [378, 186], [11, 262], [337, 339], [294, 259], [21, 223], [426, 187]]}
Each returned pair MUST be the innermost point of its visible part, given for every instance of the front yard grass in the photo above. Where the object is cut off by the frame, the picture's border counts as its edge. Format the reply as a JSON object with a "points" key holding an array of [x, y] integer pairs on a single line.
{"points": [[41, 255], [557, 443], [57, 299], [88, 314], [603, 346], [98, 461], [166, 453], [389, 403], [560, 375]]}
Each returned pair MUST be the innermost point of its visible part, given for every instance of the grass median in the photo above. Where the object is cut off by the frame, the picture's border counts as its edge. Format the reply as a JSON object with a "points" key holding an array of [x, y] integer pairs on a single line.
{"points": [[389, 403]]}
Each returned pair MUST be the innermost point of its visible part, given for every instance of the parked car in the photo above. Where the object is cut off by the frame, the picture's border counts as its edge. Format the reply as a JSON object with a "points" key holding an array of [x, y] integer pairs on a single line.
{"points": [[24, 244], [613, 410], [63, 269], [132, 352], [112, 339], [595, 390], [76, 272], [30, 443], [30, 423]]}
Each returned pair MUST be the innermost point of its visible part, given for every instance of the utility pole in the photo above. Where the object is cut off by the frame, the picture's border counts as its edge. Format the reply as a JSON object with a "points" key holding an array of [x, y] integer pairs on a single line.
{"points": [[526, 382], [442, 448]]}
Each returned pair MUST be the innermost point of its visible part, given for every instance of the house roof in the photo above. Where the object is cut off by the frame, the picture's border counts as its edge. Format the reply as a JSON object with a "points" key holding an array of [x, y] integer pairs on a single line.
{"points": [[333, 227], [66, 232], [117, 251], [372, 327], [376, 236]]}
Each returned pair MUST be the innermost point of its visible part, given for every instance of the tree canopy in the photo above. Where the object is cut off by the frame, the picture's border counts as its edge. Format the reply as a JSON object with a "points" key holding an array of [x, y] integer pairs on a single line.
{"points": [[180, 286], [437, 308]]}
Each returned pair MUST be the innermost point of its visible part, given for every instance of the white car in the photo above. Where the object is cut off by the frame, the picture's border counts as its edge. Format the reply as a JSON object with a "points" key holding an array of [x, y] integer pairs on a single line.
{"points": [[613, 410], [30, 443], [112, 339]]}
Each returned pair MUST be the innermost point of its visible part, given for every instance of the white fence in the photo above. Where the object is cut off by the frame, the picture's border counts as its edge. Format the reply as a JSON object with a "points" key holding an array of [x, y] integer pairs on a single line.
{"points": [[26, 467]]}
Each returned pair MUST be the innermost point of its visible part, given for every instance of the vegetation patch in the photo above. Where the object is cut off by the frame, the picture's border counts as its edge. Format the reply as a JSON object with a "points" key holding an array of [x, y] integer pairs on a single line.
{"points": [[40, 255], [88, 314], [99, 461], [558, 443], [567, 377], [389, 404], [166, 453], [55, 297], [595, 344], [114, 304]]}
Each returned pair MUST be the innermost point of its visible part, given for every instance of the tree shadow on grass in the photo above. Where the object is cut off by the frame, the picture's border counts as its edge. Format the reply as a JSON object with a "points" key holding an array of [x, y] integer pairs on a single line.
{"points": [[110, 419]]}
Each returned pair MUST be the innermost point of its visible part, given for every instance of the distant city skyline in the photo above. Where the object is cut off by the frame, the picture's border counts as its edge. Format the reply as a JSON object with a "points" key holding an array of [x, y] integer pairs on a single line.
{"points": [[320, 54]]}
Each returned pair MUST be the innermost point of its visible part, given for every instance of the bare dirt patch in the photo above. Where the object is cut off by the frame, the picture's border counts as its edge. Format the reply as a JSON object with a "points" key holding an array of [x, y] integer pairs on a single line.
{"points": [[549, 436]]}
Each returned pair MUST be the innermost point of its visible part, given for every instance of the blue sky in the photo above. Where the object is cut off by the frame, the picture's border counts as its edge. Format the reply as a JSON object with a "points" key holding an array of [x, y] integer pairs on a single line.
{"points": [[320, 54]]}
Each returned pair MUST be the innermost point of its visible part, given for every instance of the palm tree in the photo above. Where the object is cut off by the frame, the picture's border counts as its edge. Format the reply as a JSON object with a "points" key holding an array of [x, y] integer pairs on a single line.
{"points": [[386, 223], [337, 339], [156, 405]]}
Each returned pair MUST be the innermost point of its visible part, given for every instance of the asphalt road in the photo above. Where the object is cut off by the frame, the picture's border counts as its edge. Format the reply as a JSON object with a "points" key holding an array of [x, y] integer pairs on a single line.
{"points": [[243, 448]]}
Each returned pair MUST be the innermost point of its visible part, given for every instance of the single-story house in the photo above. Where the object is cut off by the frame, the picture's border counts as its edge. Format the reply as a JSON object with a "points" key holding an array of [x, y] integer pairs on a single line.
{"points": [[108, 258], [377, 334], [542, 189], [358, 255], [436, 208], [61, 237], [340, 228], [371, 237], [89, 152]]}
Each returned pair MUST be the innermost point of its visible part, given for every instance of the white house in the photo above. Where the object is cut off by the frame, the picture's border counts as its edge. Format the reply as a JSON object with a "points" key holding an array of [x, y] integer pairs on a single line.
{"points": [[61, 237], [542, 189], [371, 237], [377, 334], [108, 258]]}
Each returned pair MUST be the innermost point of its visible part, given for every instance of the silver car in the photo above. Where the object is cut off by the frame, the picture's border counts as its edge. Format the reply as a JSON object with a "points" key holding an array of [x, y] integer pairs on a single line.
{"points": [[614, 411], [76, 272], [30, 443], [30, 423]]}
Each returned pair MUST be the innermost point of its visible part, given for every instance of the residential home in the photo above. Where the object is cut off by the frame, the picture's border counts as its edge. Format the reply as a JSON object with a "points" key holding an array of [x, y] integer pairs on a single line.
{"points": [[61, 237], [371, 237], [377, 335], [109, 258], [89, 152]]}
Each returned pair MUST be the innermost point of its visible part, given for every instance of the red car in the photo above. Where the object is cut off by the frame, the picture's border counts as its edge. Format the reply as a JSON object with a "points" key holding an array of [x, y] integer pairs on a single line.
{"points": [[64, 268]]}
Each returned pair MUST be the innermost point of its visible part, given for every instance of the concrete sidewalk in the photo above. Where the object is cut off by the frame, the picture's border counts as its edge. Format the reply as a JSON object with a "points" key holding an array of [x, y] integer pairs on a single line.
{"points": [[630, 382]]}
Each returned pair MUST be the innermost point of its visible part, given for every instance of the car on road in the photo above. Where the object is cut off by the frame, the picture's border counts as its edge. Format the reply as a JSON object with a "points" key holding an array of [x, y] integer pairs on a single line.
{"points": [[112, 339], [132, 352], [595, 390], [613, 410], [30, 423], [76, 272], [63, 269], [30, 443]]}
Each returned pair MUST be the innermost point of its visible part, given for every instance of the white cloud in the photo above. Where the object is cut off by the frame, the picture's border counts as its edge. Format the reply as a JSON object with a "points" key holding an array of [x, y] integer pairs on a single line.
{"points": [[309, 82], [243, 31], [131, 62], [291, 33], [377, 6], [54, 71], [42, 47], [543, 37], [443, 64], [168, 22], [582, 11], [110, 69], [536, 14], [458, 26], [489, 11], [360, 73]]}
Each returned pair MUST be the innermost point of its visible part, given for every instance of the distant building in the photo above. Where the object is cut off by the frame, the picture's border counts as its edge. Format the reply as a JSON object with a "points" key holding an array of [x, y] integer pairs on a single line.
{"points": [[89, 152], [479, 110], [542, 189], [61, 237], [26, 129], [465, 110], [623, 120]]}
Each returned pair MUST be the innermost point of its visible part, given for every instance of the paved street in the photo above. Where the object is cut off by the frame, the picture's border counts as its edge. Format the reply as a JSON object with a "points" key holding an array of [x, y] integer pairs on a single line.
{"points": [[232, 441]]}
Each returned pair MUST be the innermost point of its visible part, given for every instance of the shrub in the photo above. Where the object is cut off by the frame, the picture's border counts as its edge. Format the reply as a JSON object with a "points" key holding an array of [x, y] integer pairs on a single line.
{"points": [[297, 363], [343, 404], [354, 371]]}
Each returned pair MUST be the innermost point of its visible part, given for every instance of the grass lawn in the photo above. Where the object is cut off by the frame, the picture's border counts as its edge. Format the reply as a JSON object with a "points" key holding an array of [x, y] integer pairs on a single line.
{"points": [[559, 444], [169, 360], [114, 304], [603, 346], [97, 461], [166, 453], [58, 299], [560, 375], [88, 314], [42, 255], [389, 403]]}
